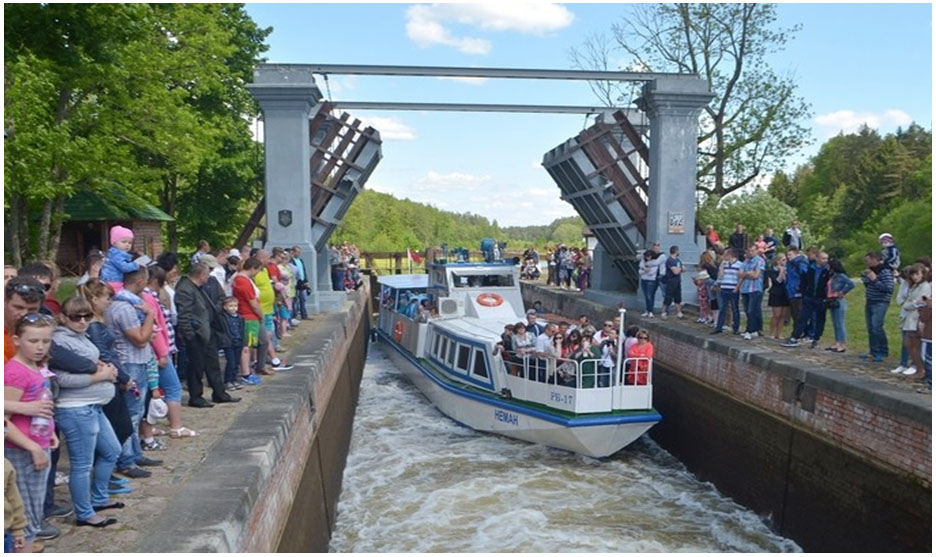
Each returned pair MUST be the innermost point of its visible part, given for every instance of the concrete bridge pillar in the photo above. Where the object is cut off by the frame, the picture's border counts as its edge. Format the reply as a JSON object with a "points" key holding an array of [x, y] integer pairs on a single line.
{"points": [[673, 106], [289, 97]]}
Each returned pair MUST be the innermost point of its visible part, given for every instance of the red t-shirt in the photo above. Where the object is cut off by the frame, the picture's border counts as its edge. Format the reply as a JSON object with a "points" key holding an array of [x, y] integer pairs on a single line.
{"points": [[53, 306], [244, 290], [9, 349], [639, 368], [274, 271]]}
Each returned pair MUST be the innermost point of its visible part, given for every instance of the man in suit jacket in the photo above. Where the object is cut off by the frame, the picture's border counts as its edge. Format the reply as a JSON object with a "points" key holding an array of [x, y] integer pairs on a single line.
{"points": [[196, 315]]}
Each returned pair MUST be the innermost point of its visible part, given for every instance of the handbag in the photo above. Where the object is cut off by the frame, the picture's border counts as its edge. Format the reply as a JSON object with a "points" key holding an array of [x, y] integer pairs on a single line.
{"points": [[832, 304]]}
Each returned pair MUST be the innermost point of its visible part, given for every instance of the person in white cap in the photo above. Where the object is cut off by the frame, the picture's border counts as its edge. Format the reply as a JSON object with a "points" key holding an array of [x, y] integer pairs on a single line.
{"points": [[890, 253]]}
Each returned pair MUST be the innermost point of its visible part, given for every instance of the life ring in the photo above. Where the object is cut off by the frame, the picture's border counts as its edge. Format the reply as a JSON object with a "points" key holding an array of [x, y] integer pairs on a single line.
{"points": [[398, 331], [489, 299]]}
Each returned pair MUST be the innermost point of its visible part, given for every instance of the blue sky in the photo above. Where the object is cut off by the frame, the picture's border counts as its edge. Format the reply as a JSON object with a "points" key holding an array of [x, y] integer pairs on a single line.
{"points": [[854, 63]]}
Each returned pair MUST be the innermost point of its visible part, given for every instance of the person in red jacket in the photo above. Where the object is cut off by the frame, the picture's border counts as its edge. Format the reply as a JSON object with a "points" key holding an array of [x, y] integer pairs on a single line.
{"points": [[638, 371]]}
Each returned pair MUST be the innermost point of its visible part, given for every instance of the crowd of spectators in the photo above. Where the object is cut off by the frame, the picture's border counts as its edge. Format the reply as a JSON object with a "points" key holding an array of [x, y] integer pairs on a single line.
{"points": [[804, 287], [344, 261], [569, 268], [103, 372]]}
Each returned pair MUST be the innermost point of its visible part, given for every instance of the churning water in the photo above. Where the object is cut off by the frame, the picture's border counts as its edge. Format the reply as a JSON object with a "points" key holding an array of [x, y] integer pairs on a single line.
{"points": [[418, 482]]}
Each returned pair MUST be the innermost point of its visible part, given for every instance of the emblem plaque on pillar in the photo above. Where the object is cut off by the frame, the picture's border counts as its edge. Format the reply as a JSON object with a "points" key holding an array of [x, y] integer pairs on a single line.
{"points": [[676, 222], [285, 218]]}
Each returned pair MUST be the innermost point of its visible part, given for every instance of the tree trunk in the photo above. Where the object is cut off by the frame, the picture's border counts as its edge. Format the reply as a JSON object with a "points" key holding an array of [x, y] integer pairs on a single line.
{"points": [[55, 234], [168, 198], [45, 222], [16, 232]]}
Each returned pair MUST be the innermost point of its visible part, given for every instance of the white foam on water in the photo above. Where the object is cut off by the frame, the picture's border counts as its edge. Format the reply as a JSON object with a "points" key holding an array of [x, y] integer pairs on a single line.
{"points": [[416, 481]]}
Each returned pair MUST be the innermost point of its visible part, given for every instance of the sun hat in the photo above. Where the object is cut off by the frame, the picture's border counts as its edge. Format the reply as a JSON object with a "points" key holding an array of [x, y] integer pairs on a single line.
{"points": [[703, 275], [209, 260]]}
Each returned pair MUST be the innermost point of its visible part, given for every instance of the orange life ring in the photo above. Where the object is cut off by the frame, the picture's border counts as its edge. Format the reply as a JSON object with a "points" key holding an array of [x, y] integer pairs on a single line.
{"points": [[489, 299], [398, 331]]}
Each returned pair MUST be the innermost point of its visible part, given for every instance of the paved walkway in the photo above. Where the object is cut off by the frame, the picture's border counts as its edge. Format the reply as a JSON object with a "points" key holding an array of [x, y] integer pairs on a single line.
{"points": [[847, 362], [183, 457]]}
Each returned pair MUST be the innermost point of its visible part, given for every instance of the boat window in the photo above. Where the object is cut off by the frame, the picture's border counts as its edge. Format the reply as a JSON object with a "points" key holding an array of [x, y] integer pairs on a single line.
{"points": [[480, 366], [435, 345], [445, 343], [451, 354], [463, 354], [482, 281]]}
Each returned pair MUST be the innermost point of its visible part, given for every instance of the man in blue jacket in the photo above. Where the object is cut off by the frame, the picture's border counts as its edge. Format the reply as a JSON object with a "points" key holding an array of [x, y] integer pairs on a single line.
{"points": [[796, 268], [879, 286], [815, 286]]}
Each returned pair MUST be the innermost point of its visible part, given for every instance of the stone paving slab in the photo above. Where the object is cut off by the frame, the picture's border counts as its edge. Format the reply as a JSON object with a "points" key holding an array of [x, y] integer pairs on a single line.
{"points": [[183, 458]]}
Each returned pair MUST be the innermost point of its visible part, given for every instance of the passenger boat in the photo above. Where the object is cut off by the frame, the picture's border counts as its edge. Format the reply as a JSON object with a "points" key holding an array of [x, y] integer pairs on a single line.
{"points": [[452, 357]]}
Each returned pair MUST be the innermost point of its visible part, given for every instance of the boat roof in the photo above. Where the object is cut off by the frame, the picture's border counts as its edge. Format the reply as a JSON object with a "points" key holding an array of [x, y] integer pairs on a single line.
{"points": [[492, 265], [478, 328], [405, 281]]}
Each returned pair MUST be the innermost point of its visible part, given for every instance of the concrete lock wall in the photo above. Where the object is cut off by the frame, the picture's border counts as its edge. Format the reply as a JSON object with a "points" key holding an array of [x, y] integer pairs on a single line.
{"points": [[837, 463], [274, 484]]}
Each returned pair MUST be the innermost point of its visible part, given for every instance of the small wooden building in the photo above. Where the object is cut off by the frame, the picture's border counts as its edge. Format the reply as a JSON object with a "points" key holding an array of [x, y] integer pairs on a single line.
{"points": [[89, 217]]}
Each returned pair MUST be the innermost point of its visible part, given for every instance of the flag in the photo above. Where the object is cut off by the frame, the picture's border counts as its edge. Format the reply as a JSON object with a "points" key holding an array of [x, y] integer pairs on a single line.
{"points": [[414, 257]]}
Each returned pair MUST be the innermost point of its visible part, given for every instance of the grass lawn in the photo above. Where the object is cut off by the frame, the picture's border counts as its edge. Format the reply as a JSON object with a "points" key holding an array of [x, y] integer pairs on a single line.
{"points": [[858, 331]]}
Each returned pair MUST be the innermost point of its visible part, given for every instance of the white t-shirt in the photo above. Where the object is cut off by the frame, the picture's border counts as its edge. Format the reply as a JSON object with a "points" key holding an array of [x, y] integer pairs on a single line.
{"points": [[543, 342]]}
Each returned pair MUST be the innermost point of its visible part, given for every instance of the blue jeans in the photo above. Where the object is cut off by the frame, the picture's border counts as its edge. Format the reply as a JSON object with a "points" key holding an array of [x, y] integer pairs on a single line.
{"points": [[838, 320], [338, 279], [874, 320], [91, 443], [753, 310], [904, 355], [299, 305], [132, 452], [232, 363], [728, 298], [926, 347], [812, 319], [169, 383], [649, 288]]}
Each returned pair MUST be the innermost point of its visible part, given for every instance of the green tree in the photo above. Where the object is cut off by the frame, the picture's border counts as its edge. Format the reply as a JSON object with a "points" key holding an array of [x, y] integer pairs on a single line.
{"points": [[755, 120]]}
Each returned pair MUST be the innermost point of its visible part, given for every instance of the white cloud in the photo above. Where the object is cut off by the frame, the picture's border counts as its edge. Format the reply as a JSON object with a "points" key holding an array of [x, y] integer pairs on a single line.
{"points": [[849, 121], [390, 128], [452, 182], [425, 23], [477, 81]]}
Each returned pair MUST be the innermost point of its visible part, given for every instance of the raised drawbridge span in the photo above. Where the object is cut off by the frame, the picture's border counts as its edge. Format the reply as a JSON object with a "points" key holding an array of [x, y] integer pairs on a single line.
{"points": [[629, 193]]}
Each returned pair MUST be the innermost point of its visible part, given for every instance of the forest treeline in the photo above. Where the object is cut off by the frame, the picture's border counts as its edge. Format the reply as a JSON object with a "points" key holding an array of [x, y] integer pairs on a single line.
{"points": [[379, 222]]}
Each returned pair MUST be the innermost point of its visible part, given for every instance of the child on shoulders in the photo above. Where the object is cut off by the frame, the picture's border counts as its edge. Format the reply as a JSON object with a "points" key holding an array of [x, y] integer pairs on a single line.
{"points": [[119, 261]]}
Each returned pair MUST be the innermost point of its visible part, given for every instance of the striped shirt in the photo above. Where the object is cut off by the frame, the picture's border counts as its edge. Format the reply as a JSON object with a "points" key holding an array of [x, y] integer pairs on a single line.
{"points": [[729, 278]]}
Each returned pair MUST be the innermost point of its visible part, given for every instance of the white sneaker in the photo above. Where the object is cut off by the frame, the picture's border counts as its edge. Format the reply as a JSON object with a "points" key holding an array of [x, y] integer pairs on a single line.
{"points": [[910, 371], [754, 334], [650, 316], [899, 369], [746, 336], [700, 320], [644, 314], [664, 315], [680, 315]]}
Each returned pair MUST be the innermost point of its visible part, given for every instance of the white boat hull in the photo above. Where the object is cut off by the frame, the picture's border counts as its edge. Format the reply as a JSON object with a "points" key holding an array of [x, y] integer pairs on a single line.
{"points": [[598, 436]]}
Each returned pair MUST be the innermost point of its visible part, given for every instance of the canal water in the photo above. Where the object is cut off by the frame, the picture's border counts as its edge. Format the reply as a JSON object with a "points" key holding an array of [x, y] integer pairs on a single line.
{"points": [[418, 482]]}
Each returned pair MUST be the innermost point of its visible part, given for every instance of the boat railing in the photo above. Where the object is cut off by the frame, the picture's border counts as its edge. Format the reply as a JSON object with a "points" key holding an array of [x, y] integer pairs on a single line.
{"points": [[580, 385]]}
